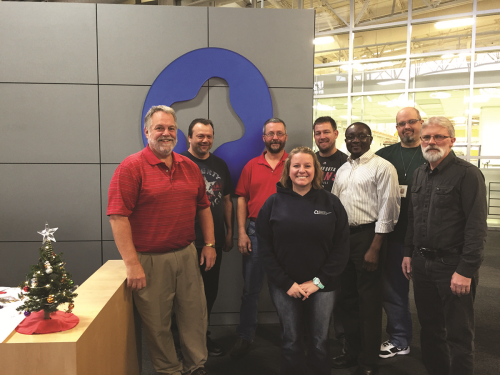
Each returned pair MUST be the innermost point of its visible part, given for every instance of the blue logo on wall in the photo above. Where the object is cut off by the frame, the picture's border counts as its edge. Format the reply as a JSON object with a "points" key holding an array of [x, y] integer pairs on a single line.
{"points": [[248, 93]]}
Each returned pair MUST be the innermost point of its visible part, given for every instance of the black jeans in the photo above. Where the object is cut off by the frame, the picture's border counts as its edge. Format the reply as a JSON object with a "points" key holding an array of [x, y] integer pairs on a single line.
{"points": [[360, 300], [446, 320], [211, 280]]}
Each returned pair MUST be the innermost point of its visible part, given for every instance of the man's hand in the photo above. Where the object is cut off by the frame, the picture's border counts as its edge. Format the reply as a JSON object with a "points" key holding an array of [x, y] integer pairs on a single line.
{"points": [[207, 257], [244, 244], [228, 245], [296, 292], [460, 285], [309, 288], [406, 266], [136, 279], [371, 259]]}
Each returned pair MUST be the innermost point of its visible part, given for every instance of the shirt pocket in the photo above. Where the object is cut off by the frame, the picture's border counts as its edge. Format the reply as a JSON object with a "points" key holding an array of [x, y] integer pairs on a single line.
{"points": [[443, 196], [415, 193]]}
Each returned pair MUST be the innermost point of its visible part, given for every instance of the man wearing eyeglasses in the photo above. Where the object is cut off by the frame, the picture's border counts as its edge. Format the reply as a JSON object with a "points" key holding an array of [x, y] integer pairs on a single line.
{"points": [[406, 156], [444, 249], [367, 186], [257, 182]]}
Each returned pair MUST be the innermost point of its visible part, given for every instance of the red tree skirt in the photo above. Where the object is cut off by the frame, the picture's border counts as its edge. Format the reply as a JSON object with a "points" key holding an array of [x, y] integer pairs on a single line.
{"points": [[35, 323]]}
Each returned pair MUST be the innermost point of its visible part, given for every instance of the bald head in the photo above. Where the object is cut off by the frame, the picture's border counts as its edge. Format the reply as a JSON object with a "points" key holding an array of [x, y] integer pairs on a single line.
{"points": [[408, 125]]}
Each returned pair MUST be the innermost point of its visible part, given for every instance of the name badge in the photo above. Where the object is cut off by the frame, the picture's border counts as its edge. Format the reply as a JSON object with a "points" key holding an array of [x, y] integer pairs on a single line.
{"points": [[402, 190]]}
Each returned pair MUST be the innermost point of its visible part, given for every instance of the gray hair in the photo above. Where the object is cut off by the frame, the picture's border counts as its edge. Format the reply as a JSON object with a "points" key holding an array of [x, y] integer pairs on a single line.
{"points": [[273, 120], [158, 108], [442, 122]]}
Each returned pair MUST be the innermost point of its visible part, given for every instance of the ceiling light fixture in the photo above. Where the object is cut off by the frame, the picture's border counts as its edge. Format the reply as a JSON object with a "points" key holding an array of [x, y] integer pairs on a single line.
{"points": [[323, 40], [440, 95], [448, 56], [454, 23]]}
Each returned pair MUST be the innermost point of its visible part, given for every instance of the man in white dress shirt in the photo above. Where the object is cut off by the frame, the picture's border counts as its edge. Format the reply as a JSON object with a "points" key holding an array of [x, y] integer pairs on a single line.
{"points": [[367, 186]]}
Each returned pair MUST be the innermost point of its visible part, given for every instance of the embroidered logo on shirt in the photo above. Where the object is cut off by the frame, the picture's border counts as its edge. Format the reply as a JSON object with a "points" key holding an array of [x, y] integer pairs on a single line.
{"points": [[317, 212]]}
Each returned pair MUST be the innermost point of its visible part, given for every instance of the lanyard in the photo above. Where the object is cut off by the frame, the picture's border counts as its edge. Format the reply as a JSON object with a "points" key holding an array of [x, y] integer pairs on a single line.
{"points": [[405, 170]]}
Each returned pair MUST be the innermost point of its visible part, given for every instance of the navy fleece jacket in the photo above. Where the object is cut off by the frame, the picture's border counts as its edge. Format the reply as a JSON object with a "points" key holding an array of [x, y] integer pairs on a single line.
{"points": [[302, 237]]}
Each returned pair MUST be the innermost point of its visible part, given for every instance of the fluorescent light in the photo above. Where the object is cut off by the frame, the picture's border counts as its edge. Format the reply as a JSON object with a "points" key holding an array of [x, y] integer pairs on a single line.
{"points": [[477, 99], [393, 82], [324, 107], [440, 95], [448, 56], [323, 40], [345, 117], [459, 120], [454, 23], [491, 92]]}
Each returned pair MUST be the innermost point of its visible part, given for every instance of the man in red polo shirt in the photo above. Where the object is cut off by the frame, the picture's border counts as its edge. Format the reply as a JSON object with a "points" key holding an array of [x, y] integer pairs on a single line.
{"points": [[257, 182], [153, 199]]}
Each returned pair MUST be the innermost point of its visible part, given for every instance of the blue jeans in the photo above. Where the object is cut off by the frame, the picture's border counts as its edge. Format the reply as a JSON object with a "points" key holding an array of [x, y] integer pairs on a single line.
{"points": [[297, 317], [253, 278], [395, 296], [446, 320]]}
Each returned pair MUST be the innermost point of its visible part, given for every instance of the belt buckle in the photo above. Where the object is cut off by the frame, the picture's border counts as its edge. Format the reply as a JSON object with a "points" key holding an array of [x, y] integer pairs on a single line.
{"points": [[428, 253]]}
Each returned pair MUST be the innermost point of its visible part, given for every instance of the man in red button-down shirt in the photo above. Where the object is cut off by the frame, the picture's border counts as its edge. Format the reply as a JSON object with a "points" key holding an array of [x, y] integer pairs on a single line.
{"points": [[153, 199]]}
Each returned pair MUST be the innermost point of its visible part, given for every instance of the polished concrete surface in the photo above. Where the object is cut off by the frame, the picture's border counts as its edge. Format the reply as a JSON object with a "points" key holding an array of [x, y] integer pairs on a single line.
{"points": [[264, 356]]}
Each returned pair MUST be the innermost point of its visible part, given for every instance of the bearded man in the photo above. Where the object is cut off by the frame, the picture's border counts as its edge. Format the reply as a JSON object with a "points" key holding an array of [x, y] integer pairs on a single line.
{"points": [[257, 183], [153, 199], [444, 249]]}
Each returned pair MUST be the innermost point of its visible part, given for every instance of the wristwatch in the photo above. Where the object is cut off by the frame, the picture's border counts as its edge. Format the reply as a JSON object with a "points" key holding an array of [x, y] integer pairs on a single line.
{"points": [[317, 282], [210, 245]]}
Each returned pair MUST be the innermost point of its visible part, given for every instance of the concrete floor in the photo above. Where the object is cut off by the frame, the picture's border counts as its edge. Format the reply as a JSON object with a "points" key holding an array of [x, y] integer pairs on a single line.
{"points": [[264, 356]]}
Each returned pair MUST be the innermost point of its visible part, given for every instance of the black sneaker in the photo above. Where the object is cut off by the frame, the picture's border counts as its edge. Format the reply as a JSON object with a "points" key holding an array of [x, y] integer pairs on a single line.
{"points": [[240, 349], [387, 350], [214, 349], [200, 371]]}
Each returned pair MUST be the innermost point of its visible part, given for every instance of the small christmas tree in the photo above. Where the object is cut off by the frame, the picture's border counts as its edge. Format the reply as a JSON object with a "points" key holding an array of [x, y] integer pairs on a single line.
{"points": [[47, 284]]}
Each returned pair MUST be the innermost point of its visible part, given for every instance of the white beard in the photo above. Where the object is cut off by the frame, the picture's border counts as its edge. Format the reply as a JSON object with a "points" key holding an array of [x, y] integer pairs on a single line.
{"points": [[432, 157]]}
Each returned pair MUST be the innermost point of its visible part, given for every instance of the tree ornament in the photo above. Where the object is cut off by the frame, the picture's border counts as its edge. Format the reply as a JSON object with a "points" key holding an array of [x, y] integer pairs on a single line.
{"points": [[27, 313], [26, 289], [34, 283], [50, 299], [71, 306]]}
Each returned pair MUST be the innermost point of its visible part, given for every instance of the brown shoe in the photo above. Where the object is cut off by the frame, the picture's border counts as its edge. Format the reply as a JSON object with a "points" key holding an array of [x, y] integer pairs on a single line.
{"points": [[240, 349]]}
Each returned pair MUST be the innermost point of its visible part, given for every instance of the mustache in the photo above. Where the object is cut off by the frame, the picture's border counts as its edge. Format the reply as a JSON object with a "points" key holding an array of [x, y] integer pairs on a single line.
{"points": [[165, 139]]}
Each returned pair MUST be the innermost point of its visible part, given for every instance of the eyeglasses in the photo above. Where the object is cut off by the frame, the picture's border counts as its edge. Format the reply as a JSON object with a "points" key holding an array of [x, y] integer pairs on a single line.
{"points": [[413, 121], [437, 137], [272, 134], [361, 137]]}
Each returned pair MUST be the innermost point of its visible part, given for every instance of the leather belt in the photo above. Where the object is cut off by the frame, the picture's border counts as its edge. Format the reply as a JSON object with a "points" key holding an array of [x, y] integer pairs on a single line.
{"points": [[360, 228], [427, 253]]}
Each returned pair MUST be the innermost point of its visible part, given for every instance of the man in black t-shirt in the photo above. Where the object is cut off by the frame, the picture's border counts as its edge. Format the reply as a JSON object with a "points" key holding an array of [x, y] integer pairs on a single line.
{"points": [[330, 158], [219, 188], [406, 156]]}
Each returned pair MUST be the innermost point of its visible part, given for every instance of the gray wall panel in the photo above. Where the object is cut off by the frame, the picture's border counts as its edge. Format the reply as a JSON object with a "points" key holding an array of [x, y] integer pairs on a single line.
{"points": [[67, 196], [294, 106], [110, 251], [53, 123], [137, 42], [120, 113], [107, 171], [286, 58], [227, 124], [189, 110], [82, 259], [48, 42], [121, 110]]}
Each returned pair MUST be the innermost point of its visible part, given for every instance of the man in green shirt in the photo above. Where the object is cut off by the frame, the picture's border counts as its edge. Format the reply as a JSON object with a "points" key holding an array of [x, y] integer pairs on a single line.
{"points": [[406, 156]]}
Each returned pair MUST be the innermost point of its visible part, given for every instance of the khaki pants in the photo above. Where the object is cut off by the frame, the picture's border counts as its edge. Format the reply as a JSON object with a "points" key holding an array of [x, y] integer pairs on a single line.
{"points": [[173, 279]]}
